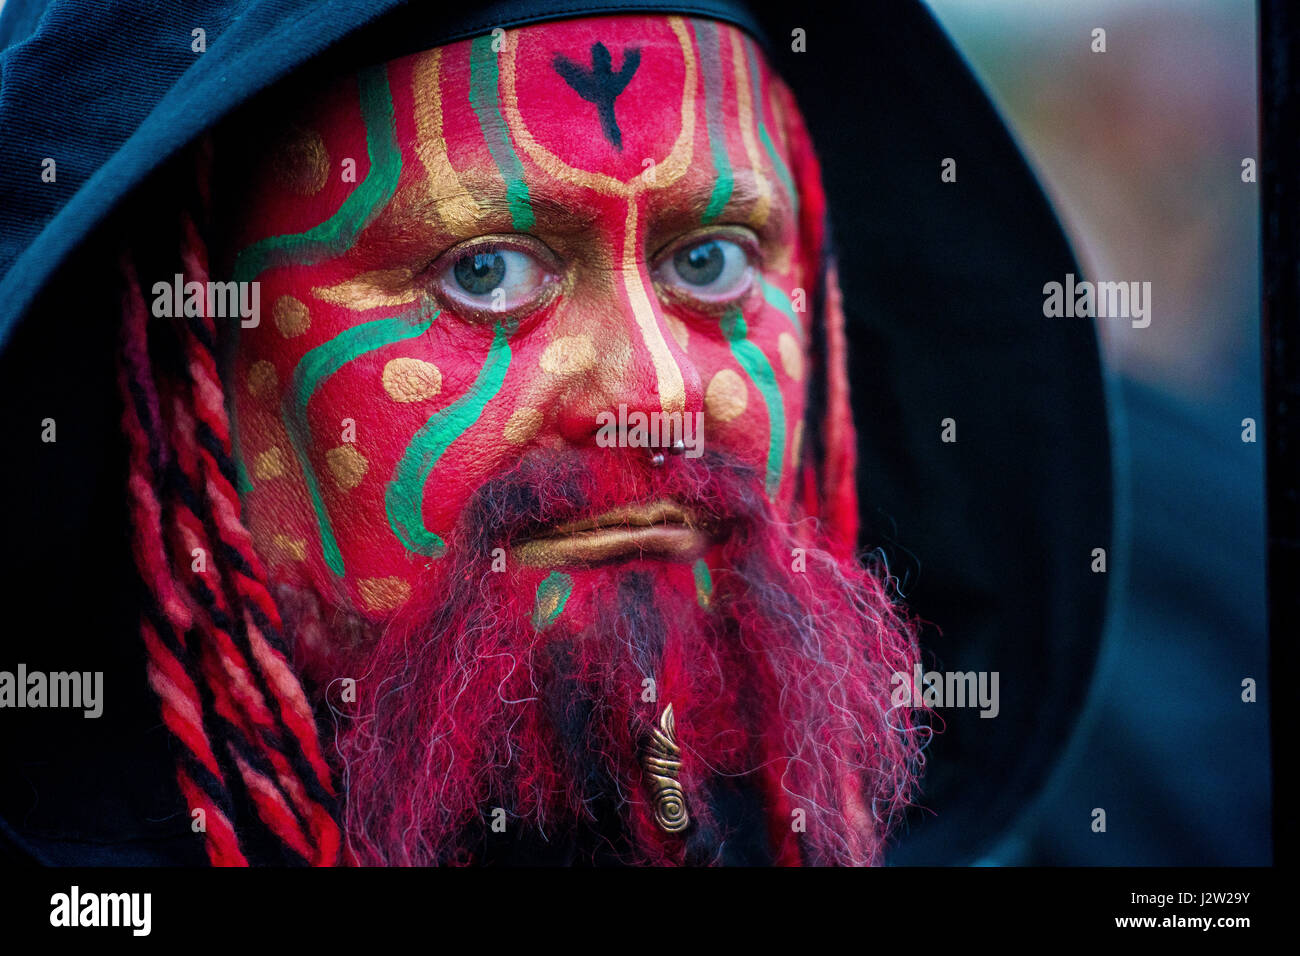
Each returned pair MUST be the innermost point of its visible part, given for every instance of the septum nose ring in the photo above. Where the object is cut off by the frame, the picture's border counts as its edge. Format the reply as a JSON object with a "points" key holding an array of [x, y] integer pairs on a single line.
{"points": [[676, 448]]}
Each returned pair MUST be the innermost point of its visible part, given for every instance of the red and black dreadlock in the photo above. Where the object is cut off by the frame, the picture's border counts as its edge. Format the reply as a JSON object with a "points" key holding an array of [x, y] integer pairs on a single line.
{"points": [[247, 734]]}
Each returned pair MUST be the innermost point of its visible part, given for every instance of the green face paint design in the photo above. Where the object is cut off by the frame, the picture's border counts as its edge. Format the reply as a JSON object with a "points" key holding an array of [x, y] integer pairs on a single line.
{"points": [[484, 98], [703, 583], [405, 498], [337, 233], [316, 366], [760, 373], [552, 594]]}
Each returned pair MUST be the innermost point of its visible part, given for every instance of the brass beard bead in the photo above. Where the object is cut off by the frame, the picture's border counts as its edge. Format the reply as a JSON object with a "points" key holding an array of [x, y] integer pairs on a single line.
{"points": [[662, 762]]}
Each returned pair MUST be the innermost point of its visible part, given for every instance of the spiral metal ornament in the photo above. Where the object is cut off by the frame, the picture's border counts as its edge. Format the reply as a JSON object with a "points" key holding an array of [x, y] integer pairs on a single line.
{"points": [[662, 762]]}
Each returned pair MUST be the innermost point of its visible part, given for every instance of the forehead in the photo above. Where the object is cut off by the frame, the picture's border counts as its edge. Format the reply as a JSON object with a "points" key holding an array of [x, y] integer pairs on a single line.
{"points": [[636, 125], [611, 95], [596, 102]]}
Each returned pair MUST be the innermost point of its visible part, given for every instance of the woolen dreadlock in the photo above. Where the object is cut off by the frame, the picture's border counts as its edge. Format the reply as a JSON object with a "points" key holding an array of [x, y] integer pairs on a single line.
{"points": [[248, 737]]}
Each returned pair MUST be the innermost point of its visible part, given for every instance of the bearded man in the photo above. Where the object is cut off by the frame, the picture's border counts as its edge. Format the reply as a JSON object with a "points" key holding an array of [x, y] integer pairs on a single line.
{"points": [[491, 465]]}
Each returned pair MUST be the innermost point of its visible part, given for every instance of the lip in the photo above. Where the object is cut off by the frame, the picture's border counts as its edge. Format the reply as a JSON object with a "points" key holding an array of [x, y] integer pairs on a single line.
{"points": [[661, 528]]}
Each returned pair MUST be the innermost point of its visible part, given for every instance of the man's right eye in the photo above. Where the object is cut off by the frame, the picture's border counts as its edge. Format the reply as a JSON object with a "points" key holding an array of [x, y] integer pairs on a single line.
{"points": [[494, 275]]}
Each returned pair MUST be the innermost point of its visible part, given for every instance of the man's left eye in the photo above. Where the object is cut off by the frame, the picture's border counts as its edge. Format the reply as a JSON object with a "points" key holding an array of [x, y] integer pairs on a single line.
{"points": [[490, 278], [713, 270]]}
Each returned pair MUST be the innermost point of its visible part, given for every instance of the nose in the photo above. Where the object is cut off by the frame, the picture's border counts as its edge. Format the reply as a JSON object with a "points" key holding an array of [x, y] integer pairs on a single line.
{"points": [[638, 364]]}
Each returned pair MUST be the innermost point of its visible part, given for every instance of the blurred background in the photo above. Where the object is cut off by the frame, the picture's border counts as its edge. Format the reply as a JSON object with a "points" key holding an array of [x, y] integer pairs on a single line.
{"points": [[1140, 149]]}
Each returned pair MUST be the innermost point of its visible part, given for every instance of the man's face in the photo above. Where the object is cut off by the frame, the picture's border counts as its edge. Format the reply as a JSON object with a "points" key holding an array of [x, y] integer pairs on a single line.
{"points": [[474, 252], [491, 270]]}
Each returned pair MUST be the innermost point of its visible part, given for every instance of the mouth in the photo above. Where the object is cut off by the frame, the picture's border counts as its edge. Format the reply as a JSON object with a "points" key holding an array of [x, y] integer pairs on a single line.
{"points": [[662, 529]]}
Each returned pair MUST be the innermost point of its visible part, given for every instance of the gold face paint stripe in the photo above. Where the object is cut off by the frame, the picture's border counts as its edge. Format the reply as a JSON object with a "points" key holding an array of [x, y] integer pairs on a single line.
{"points": [[672, 389], [679, 158], [745, 105], [457, 209], [774, 157], [368, 291]]}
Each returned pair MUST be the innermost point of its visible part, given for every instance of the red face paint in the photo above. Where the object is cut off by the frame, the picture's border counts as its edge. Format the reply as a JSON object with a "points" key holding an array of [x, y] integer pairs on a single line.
{"points": [[469, 253], [481, 268]]}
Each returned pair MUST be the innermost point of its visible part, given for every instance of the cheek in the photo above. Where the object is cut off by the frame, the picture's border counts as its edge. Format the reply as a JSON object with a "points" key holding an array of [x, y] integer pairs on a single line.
{"points": [[361, 442], [752, 369], [781, 336]]}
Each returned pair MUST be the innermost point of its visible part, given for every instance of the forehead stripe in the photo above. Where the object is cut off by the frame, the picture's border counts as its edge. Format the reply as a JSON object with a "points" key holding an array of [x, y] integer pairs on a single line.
{"points": [[777, 163], [706, 36], [456, 207], [483, 97], [745, 107]]}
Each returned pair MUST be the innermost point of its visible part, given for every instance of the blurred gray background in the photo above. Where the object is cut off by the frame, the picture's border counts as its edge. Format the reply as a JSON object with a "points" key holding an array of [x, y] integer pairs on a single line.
{"points": [[1140, 149]]}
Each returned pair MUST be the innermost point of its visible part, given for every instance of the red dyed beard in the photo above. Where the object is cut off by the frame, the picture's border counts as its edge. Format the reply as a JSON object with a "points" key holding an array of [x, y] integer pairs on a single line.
{"points": [[791, 752]]}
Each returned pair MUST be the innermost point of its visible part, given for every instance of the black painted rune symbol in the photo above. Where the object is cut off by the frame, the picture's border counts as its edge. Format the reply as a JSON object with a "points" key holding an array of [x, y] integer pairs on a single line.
{"points": [[600, 85]]}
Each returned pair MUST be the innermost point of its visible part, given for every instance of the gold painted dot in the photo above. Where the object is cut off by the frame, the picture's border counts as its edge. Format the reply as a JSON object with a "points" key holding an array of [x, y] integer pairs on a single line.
{"points": [[383, 594], [285, 549], [347, 465], [678, 328], [726, 397], [796, 443], [262, 379], [301, 162], [269, 464], [568, 355], [523, 425], [291, 316], [791, 356], [411, 380]]}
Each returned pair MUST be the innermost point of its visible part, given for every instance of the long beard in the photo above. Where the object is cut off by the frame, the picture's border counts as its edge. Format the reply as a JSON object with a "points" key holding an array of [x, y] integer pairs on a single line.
{"points": [[483, 734]]}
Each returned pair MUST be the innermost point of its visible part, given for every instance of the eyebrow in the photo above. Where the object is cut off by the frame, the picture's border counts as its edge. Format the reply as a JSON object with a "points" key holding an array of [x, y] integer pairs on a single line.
{"points": [[742, 199], [745, 195], [492, 201], [562, 215]]}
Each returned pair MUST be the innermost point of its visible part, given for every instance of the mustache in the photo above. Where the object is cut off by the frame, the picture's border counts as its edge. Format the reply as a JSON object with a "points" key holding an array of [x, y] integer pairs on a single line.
{"points": [[549, 490]]}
